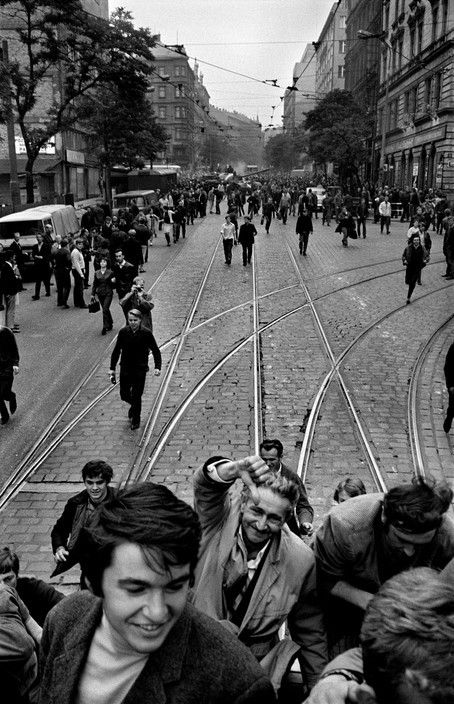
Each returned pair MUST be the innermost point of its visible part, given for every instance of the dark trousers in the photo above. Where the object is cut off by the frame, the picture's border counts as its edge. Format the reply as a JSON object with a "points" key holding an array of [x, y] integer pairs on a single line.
{"points": [[78, 290], [218, 203], [303, 240], [105, 301], [361, 225], [6, 394], [385, 221], [63, 282], [42, 277], [87, 258], [267, 223], [284, 214], [228, 244], [247, 252], [412, 284], [132, 385]]}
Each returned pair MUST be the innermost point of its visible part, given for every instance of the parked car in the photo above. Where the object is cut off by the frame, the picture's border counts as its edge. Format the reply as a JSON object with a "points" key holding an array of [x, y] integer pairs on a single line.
{"points": [[319, 192], [143, 199]]}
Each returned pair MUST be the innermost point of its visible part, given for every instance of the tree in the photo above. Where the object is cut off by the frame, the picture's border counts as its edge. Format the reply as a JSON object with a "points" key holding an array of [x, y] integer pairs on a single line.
{"points": [[339, 130], [124, 128], [280, 152], [60, 45]]}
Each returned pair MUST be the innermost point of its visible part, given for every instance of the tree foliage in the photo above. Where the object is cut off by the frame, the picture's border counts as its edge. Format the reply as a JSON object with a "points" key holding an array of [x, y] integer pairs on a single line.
{"points": [[338, 131], [60, 44], [280, 152]]}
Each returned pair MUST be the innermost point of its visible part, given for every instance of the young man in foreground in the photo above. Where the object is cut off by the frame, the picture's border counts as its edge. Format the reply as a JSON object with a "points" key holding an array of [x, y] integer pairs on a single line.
{"points": [[135, 639]]}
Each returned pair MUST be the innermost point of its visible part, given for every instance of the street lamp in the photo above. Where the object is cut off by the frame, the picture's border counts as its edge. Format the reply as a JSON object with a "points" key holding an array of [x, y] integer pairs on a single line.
{"points": [[382, 37]]}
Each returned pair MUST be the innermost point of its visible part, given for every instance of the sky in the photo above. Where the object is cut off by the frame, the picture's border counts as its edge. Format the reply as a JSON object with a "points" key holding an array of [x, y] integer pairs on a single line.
{"points": [[261, 39]]}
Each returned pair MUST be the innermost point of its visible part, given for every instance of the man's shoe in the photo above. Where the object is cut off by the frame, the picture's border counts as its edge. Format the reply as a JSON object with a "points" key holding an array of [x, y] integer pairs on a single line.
{"points": [[408, 301], [35, 298], [13, 404], [47, 294], [134, 424], [65, 307]]}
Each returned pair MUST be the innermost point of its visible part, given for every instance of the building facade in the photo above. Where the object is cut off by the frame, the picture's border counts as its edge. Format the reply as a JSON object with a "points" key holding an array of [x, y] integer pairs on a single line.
{"points": [[299, 98], [416, 100], [243, 135], [362, 66], [330, 51], [175, 90], [66, 164]]}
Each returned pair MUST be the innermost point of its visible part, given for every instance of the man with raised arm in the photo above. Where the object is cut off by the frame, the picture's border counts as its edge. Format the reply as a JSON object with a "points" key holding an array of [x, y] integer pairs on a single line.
{"points": [[254, 575]]}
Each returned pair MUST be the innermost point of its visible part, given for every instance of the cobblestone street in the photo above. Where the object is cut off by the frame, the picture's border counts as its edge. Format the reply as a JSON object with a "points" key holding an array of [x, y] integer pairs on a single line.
{"points": [[358, 294]]}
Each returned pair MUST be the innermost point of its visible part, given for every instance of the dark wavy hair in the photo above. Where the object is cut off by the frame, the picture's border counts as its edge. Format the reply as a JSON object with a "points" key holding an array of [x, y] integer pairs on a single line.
{"points": [[166, 529], [96, 468], [407, 639], [417, 507]]}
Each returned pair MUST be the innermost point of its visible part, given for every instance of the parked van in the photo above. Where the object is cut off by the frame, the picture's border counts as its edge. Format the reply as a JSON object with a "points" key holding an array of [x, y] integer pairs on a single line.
{"points": [[143, 200], [32, 221]]}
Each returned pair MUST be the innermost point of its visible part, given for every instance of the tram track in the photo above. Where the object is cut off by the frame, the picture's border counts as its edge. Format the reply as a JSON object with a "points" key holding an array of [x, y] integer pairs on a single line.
{"points": [[25, 470]]}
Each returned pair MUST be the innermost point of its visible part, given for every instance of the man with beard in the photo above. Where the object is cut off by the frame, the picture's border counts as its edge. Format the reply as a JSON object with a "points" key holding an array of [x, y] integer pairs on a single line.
{"points": [[369, 539]]}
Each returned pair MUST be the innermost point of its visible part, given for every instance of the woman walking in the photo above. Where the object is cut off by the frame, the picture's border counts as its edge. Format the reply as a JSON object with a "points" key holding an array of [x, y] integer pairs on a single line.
{"points": [[103, 288], [228, 233], [414, 259]]}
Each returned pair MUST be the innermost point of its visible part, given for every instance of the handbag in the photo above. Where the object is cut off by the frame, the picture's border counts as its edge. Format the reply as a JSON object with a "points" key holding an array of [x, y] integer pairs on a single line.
{"points": [[94, 306]]}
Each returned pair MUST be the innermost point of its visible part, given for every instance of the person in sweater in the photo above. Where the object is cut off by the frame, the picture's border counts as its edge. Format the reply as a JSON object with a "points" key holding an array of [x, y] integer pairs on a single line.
{"points": [[303, 228]]}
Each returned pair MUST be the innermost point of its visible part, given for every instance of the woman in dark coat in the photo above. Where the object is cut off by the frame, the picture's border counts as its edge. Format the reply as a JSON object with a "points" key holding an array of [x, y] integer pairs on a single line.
{"points": [[347, 226], [103, 289], [414, 259]]}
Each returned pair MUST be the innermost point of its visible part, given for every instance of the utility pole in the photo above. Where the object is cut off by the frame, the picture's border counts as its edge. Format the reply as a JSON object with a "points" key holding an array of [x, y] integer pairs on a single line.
{"points": [[13, 179]]}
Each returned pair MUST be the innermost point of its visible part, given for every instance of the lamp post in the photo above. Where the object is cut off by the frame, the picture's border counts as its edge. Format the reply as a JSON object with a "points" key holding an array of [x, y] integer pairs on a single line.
{"points": [[382, 37]]}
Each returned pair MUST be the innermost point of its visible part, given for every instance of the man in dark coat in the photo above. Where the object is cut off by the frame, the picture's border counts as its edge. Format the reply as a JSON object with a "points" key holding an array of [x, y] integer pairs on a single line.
{"points": [[124, 274], [78, 512], [9, 367], [134, 638], [41, 253], [134, 343], [19, 254], [449, 376], [246, 239], [303, 228], [10, 285], [62, 264]]}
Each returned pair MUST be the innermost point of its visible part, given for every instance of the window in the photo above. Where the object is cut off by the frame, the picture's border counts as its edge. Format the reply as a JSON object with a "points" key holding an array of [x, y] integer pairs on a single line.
{"points": [[161, 70], [162, 92], [386, 18], [342, 22], [420, 30], [444, 16], [435, 14], [412, 41], [407, 102], [394, 57], [412, 101], [180, 70], [342, 45], [180, 111], [427, 92], [341, 71], [179, 91], [400, 52], [162, 113], [436, 94]]}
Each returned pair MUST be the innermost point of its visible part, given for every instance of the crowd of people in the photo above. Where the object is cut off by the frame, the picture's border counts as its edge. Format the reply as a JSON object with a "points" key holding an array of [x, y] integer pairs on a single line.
{"points": [[239, 599]]}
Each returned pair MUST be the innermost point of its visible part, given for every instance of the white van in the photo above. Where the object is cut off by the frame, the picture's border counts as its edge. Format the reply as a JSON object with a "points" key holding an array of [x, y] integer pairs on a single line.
{"points": [[32, 221], [143, 200]]}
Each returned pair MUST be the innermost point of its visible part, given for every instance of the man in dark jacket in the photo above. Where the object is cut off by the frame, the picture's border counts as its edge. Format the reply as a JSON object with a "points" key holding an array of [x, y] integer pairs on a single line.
{"points": [[124, 274], [19, 254], [62, 263], [10, 285], [303, 228], [41, 253], [134, 343], [300, 521], [246, 239], [9, 366], [449, 376], [78, 512]]}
